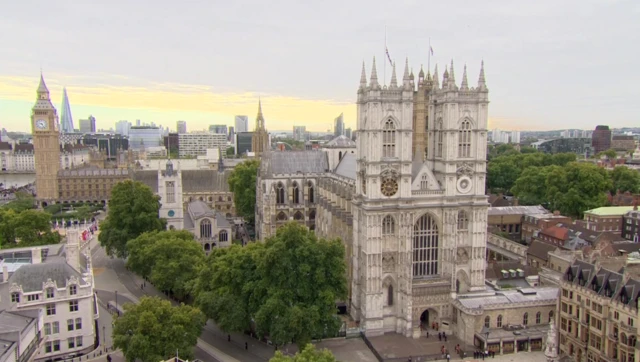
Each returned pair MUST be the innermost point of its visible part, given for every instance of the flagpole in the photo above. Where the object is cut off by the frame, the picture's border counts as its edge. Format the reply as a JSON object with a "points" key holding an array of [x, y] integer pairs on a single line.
{"points": [[429, 57], [384, 67]]}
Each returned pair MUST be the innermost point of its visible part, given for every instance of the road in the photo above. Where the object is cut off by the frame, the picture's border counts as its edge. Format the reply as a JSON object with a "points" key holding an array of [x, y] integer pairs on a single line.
{"points": [[111, 276]]}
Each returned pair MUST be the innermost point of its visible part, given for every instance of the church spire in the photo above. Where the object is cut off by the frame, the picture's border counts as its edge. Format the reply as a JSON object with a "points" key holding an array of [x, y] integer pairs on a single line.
{"points": [[406, 78], [260, 117], [452, 77], [374, 75], [465, 84], [482, 85], [42, 87], [363, 77], [436, 81], [394, 80]]}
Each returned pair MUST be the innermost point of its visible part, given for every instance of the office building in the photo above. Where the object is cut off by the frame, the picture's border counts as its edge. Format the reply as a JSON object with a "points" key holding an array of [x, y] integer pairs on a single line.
{"points": [[348, 132], [242, 124], [197, 144], [300, 133], [144, 136], [244, 142], [88, 125], [181, 127], [106, 143], [123, 127], [218, 128], [338, 125], [601, 139], [232, 134], [66, 120]]}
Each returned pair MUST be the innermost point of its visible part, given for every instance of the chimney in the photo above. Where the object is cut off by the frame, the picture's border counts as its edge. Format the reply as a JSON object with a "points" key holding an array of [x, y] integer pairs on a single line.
{"points": [[5, 273], [36, 256], [72, 249]]}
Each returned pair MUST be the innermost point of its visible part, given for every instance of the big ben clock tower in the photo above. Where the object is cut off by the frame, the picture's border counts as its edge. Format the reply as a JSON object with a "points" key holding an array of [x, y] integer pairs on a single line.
{"points": [[46, 145]]}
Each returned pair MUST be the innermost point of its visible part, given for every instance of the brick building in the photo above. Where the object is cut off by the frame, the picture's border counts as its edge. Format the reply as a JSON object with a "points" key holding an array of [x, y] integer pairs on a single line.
{"points": [[601, 139], [532, 224], [607, 218], [508, 219], [631, 225]]}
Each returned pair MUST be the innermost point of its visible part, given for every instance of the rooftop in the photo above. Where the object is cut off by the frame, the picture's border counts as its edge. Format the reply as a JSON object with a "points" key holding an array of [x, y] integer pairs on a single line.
{"points": [[340, 142], [610, 211], [292, 162], [517, 210], [347, 166], [504, 298]]}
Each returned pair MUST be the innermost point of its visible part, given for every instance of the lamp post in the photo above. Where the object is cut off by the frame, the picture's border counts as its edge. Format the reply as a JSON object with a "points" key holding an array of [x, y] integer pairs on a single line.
{"points": [[104, 336], [117, 310], [485, 331]]}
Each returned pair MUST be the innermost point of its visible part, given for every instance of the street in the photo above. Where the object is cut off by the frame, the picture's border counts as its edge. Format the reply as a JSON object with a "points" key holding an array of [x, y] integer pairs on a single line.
{"points": [[111, 277]]}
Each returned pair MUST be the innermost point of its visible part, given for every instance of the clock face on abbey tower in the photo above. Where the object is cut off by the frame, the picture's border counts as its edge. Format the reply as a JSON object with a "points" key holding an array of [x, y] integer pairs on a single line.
{"points": [[46, 145]]}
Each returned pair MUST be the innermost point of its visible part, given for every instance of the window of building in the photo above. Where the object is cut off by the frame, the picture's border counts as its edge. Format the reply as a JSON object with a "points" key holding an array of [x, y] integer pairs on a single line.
{"points": [[55, 327], [15, 297], [538, 318], [78, 323], [223, 236], [311, 195], [70, 324], [425, 247], [171, 191], [487, 322], [424, 182], [463, 221], [71, 342], [388, 225], [464, 140], [51, 309], [205, 228], [440, 139], [550, 316], [281, 216], [73, 306], [33, 297], [47, 329], [56, 345], [389, 139], [525, 319], [499, 321], [48, 347], [79, 341], [390, 295], [73, 290], [296, 193], [280, 194], [50, 293]]}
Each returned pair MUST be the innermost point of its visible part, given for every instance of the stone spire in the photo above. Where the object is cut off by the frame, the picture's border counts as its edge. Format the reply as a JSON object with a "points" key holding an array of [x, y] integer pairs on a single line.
{"points": [[482, 85], [436, 81], [374, 76], [551, 348], [445, 77], [452, 77], [394, 80], [42, 87], [406, 70], [260, 117], [363, 77], [465, 84], [421, 75]]}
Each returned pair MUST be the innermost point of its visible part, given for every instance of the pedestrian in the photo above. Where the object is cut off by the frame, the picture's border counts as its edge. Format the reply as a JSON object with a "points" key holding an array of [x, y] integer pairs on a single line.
{"points": [[108, 358], [427, 334], [439, 337], [246, 345], [409, 358], [445, 336], [448, 357]]}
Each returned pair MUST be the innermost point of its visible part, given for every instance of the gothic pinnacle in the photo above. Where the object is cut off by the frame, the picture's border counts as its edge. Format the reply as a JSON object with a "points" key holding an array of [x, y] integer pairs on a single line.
{"points": [[436, 81], [374, 75], [452, 77], [42, 87], [406, 69], [394, 80], [481, 81], [465, 84], [363, 77]]}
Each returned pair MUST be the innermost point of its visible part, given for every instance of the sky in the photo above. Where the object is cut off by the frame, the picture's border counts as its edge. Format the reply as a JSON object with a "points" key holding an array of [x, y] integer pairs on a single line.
{"points": [[549, 64]]}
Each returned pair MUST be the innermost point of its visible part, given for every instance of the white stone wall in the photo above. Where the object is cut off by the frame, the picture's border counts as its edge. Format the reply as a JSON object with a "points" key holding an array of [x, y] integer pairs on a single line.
{"points": [[177, 220]]}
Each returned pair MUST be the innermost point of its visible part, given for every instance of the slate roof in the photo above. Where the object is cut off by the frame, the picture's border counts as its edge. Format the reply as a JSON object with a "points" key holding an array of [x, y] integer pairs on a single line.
{"points": [[292, 162], [192, 180], [198, 209], [517, 210], [540, 249], [31, 276], [347, 166], [510, 297], [340, 142]]}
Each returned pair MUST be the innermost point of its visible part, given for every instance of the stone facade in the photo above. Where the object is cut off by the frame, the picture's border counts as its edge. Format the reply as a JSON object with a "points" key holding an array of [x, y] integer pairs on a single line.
{"points": [[260, 137], [88, 184], [46, 144]]}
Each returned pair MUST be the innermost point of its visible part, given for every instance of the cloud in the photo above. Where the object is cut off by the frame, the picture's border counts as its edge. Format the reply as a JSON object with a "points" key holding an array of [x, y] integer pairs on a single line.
{"points": [[166, 100]]}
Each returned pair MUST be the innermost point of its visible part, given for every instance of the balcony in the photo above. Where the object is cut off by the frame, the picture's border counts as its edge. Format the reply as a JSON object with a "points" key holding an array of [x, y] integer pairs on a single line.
{"points": [[613, 337], [628, 328]]}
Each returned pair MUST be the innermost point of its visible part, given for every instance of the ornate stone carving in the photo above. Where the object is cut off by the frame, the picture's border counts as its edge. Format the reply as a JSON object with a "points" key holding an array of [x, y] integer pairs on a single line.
{"points": [[388, 262], [389, 173], [462, 256], [465, 169]]}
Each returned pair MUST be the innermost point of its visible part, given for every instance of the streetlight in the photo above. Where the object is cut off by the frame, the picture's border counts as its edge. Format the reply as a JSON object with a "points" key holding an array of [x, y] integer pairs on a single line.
{"points": [[117, 310], [104, 336], [486, 331]]}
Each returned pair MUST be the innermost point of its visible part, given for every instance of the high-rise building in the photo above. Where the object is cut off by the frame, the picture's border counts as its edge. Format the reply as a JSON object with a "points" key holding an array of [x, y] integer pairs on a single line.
{"points": [[46, 145], [299, 133], [260, 142], [144, 136], [218, 128], [244, 142], [66, 122], [181, 127], [242, 124], [601, 139], [197, 144], [123, 127], [338, 125], [348, 133], [88, 125], [232, 134]]}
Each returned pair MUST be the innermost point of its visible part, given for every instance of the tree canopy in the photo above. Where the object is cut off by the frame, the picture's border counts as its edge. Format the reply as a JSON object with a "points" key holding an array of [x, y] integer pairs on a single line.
{"points": [[133, 210], [625, 179], [154, 330], [26, 228], [170, 259], [289, 286], [23, 201], [242, 182], [308, 354]]}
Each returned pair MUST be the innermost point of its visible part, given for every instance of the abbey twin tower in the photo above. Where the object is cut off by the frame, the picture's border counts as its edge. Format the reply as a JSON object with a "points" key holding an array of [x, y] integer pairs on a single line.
{"points": [[408, 198]]}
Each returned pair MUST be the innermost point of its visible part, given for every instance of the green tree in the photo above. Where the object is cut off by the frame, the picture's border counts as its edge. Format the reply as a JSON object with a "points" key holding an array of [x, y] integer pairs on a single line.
{"points": [[304, 277], [229, 288], [308, 354], [153, 330], [242, 182], [231, 151], [23, 201], [577, 187], [610, 153], [625, 179], [133, 210], [170, 259], [7, 227], [289, 286], [531, 187], [34, 228]]}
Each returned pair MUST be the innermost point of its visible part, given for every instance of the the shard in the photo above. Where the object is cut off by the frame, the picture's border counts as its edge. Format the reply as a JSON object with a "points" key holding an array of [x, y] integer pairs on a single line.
{"points": [[66, 121]]}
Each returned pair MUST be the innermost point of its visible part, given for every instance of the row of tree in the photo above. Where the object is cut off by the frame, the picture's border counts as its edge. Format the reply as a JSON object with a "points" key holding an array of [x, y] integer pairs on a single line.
{"points": [[557, 181]]}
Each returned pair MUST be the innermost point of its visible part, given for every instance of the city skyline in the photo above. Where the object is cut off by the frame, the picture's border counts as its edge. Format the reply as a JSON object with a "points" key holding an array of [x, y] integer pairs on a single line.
{"points": [[550, 68]]}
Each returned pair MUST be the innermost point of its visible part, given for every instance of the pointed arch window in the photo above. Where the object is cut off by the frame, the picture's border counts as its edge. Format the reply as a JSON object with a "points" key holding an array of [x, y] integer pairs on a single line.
{"points": [[439, 139], [388, 225], [499, 321], [525, 319], [205, 228], [425, 247], [464, 140], [538, 318], [390, 295], [296, 193], [550, 316], [280, 194], [463, 221], [487, 321], [389, 139], [223, 236], [310, 190], [424, 182]]}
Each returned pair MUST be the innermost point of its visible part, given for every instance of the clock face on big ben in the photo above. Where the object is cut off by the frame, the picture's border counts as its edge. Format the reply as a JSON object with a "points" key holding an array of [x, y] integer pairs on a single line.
{"points": [[41, 124]]}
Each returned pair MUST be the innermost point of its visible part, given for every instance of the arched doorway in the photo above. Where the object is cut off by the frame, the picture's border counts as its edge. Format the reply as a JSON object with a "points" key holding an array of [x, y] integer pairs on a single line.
{"points": [[462, 282], [428, 318]]}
